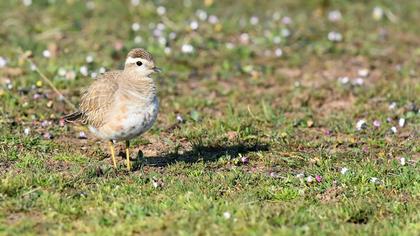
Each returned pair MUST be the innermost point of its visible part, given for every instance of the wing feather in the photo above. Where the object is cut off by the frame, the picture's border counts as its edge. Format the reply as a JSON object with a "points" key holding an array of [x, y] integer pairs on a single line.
{"points": [[98, 98]]}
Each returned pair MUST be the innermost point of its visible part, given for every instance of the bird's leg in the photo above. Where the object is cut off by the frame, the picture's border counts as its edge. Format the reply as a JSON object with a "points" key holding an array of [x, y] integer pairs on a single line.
{"points": [[111, 146], [127, 153]]}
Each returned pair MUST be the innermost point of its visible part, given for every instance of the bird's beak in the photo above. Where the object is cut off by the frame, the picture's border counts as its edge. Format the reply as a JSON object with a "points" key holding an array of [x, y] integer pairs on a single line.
{"points": [[157, 69]]}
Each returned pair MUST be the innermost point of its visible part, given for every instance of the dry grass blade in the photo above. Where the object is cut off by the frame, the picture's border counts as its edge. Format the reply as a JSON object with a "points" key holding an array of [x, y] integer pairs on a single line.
{"points": [[25, 57]]}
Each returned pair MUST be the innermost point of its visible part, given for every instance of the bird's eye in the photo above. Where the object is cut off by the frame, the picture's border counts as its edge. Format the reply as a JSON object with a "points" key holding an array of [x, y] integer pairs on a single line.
{"points": [[139, 63]]}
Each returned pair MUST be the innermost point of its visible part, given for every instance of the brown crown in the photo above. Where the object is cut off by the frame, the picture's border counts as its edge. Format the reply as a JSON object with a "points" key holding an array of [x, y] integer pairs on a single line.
{"points": [[140, 53]]}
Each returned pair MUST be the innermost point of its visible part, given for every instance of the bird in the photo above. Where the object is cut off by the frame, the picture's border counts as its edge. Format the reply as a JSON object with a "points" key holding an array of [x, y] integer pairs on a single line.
{"points": [[121, 104]]}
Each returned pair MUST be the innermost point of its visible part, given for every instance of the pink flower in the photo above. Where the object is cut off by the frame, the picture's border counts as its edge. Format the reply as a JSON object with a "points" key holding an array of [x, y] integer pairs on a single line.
{"points": [[318, 178]]}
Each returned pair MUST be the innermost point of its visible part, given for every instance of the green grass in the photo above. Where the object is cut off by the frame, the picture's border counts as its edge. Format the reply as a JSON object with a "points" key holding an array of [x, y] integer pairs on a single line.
{"points": [[256, 126]]}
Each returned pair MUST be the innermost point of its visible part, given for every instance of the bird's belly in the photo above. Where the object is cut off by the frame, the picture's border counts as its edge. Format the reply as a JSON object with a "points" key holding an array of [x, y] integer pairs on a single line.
{"points": [[129, 122]]}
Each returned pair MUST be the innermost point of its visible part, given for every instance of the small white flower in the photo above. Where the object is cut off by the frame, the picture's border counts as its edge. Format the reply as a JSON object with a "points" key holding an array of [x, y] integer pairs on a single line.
{"points": [[374, 180], [377, 13], [201, 14], [343, 79], [89, 59], [254, 20], [135, 26], [179, 118], [309, 179], [62, 72], [300, 175], [358, 81], [155, 184], [227, 215], [278, 52], [194, 25], [187, 48], [286, 20], [244, 38], [82, 135], [277, 39], [335, 36], [33, 67], [229, 45], [394, 129], [27, 131], [135, 2], [157, 33], [27, 2], [161, 10], [167, 50], [102, 70], [361, 124], [285, 32], [138, 39], [160, 26], [334, 16], [70, 75], [90, 5], [402, 161], [401, 122], [276, 15], [376, 123], [93, 75], [392, 106], [3, 62], [172, 35], [213, 19], [46, 54], [344, 170], [363, 72], [84, 70], [162, 41]]}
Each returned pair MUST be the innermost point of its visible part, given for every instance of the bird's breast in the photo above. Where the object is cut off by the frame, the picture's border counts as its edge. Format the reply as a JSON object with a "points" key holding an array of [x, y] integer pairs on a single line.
{"points": [[130, 118]]}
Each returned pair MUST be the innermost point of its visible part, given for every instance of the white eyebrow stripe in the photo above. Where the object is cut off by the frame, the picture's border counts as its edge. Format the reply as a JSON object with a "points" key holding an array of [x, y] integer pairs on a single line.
{"points": [[131, 60]]}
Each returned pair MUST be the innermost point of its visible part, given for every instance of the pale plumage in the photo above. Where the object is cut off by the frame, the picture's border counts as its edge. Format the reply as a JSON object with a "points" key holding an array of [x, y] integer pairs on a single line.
{"points": [[121, 105]]}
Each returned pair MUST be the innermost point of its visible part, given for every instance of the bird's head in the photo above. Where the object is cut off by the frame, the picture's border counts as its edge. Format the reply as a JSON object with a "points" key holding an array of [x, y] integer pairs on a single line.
{"points": [[140, 62]]}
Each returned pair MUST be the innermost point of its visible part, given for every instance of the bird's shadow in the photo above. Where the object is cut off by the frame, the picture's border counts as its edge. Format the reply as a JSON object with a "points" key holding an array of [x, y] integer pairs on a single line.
{"points": [[200, 153]]}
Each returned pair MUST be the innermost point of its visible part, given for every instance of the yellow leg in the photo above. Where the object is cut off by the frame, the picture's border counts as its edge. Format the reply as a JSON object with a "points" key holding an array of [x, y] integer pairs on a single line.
{"points": [[127, 153], [111, 146]]}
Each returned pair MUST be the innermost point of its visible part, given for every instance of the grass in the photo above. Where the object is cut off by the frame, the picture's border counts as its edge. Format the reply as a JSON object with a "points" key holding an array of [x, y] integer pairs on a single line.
{"points": [[263, 139]]}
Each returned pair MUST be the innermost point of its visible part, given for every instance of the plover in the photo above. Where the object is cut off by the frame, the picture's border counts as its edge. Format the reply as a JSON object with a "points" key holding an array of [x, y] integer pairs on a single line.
{"points": [[122, 104]]}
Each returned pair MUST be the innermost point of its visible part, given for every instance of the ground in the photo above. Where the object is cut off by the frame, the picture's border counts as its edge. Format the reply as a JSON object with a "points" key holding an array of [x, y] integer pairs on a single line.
{"points": [[288, 117]]}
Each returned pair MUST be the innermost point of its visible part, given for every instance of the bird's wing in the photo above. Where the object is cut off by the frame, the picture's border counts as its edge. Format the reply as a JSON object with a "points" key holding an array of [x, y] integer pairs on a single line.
{"points": [[97, 99]]}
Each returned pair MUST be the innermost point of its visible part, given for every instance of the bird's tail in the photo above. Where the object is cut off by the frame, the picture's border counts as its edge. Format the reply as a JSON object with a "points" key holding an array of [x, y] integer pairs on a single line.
{"points": [[73, 116]]}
